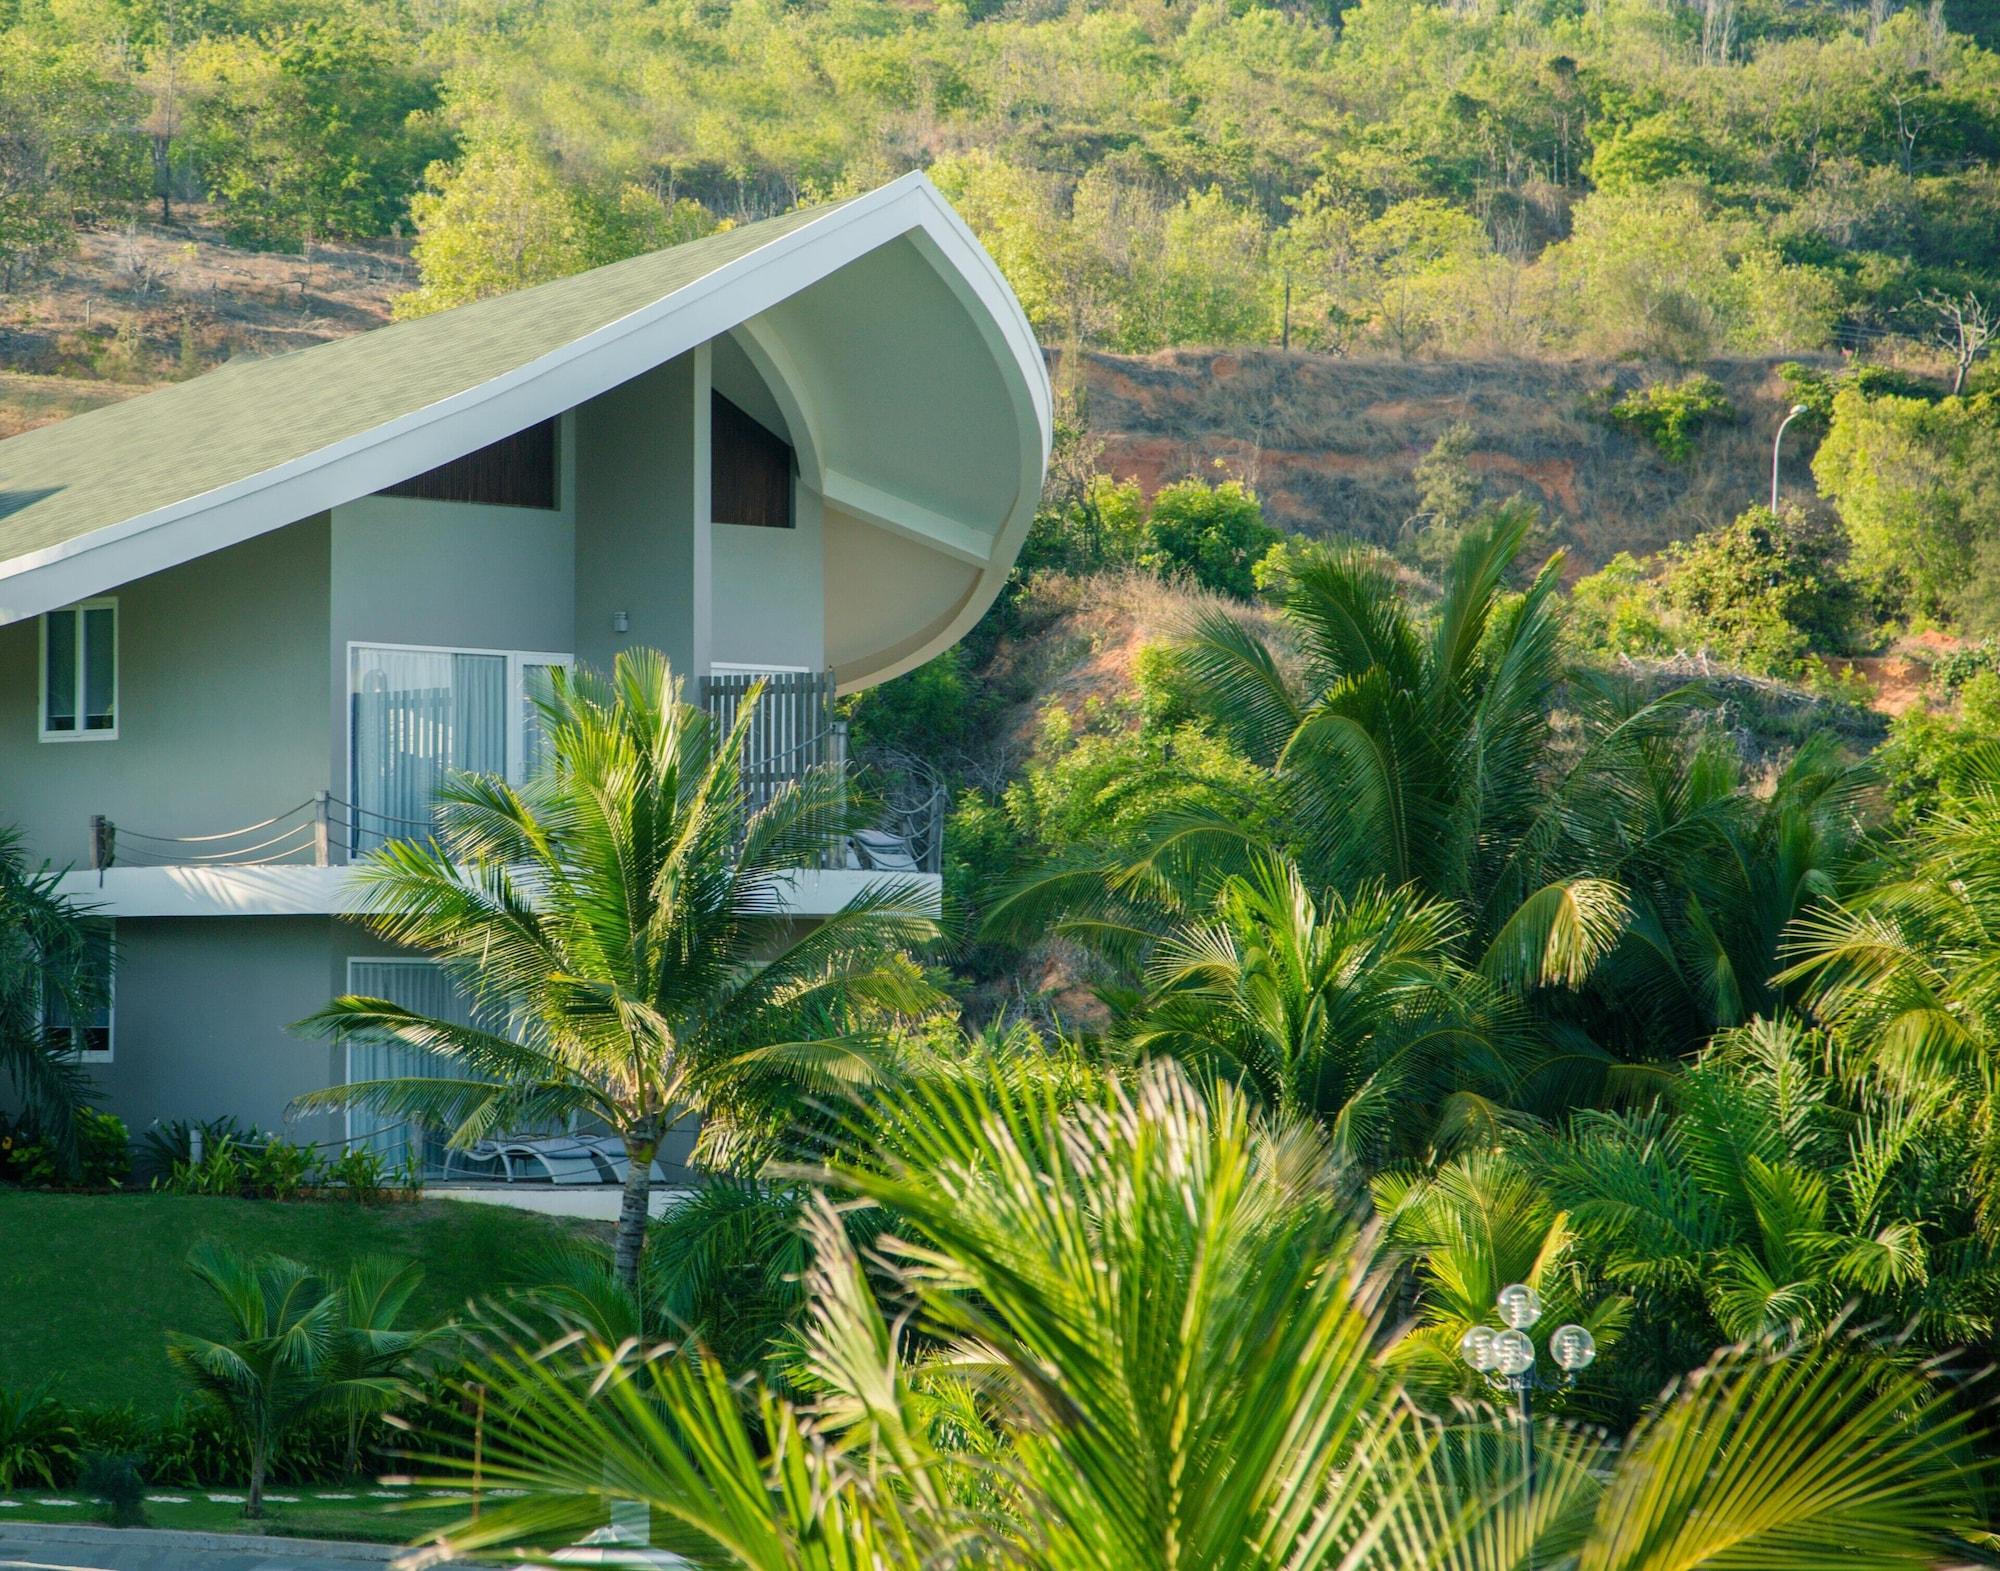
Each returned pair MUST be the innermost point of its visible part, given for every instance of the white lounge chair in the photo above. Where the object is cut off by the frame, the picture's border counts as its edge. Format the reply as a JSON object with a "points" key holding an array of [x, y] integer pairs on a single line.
{"points": [[883, 852]]}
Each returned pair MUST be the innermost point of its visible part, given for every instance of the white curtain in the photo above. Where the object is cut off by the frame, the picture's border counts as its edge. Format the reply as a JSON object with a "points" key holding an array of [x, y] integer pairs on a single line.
{"points": [[418, 713], [422, 987], [534, 741]]}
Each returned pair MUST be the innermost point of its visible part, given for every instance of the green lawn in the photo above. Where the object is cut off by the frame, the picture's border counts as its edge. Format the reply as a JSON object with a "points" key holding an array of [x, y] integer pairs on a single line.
{"points": [[90, 1284], [288, 1512]]}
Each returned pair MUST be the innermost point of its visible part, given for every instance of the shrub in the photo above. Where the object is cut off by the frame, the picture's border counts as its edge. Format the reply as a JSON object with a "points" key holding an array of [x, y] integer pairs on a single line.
{"points": [[103, 1149], [1215, 535], [1764, 590], [1668, 414], [361, 1173], [279, 1169], [220, 1170], [112, 1480], [173, 1142], [1956, 666], [37, 1437], [1616, 610]]}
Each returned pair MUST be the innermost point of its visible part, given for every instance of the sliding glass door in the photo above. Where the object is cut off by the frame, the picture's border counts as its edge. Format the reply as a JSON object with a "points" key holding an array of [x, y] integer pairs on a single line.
{"points": [[417, 715]]}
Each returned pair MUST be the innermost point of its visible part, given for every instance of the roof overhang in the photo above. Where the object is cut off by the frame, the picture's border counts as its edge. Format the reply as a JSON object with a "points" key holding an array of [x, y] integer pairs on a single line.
{"points": [[737, 297]]}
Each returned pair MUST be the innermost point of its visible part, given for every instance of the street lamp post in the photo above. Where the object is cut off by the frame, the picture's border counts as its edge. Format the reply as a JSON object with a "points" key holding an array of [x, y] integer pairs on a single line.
{"points": [[1796, 411], [1508, 1357]]}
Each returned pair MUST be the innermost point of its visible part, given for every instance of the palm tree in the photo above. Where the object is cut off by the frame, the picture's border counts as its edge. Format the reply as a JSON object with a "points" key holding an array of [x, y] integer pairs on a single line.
{"points": [[279, 1365], [1903, 971], [618, 924], [1715, 873], [1788, 1189], [1137, 1331], [1403, 752], [1347, 1008], [375, 1357], [45, 954]]}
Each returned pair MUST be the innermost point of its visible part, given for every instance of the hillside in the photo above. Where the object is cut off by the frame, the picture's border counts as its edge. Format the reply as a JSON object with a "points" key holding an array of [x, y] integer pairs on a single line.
{"points": [[1327, 441]]}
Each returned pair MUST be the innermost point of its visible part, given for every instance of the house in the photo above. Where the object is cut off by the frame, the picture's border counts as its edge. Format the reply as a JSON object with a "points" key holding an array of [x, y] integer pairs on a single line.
{"points": [[247, 622]]}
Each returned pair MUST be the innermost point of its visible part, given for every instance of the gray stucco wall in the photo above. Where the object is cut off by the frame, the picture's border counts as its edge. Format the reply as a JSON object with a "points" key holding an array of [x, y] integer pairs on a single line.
{"points": [[221, 662], [643, 539], [200, 1020]]}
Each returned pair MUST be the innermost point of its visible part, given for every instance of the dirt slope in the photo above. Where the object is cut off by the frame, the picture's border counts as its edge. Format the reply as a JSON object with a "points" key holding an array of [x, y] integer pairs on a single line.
{"points": [[1329, 443]]}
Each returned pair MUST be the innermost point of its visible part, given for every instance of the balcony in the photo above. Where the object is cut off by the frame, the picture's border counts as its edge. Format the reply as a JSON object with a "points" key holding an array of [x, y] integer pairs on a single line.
{"points": [[296, 861]]}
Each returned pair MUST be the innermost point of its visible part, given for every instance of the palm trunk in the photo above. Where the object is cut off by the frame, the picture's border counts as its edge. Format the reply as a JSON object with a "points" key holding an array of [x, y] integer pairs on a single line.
{"points": [[640, 1147], [254, 1506]]}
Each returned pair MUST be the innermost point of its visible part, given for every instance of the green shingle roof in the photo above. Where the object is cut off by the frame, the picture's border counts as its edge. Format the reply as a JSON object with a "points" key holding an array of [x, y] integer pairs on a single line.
{"points": [[125, 460]]}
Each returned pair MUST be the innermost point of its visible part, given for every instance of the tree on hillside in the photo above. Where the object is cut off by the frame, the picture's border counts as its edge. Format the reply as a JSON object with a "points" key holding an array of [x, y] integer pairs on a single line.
{"points": [[315, 130], [503, 216], [1918, 487], [617, 925]]}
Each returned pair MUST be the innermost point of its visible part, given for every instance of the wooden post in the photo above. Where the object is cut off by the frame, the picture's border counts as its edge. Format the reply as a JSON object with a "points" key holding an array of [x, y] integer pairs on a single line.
{"points": [[319, 829], [478, 1444]]}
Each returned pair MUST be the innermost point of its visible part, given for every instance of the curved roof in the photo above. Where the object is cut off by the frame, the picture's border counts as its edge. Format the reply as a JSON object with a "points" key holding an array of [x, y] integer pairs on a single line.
{"points": [[912, 385]]}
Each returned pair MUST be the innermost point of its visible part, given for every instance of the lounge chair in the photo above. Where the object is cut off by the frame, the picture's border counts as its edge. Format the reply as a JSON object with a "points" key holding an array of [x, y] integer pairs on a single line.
{"points": [[884, 852]]}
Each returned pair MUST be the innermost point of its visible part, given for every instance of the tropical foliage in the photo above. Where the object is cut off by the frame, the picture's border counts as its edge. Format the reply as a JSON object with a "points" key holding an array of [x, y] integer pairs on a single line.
{"points": [[1137, 1329], [285, 1355], [46, 960]]}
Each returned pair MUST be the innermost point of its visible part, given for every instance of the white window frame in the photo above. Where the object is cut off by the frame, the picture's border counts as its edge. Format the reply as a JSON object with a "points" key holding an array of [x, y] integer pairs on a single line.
{"points": [[109, 1052], [518, 660], [80, 734]]}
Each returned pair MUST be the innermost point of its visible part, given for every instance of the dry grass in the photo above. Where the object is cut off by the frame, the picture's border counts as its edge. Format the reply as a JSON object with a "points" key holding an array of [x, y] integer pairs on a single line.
{"points": [[1330, 443], [115, 314], [1082, 636]]}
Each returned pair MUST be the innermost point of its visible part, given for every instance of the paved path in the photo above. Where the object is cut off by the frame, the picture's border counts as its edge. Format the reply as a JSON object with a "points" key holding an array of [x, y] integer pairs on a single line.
{"points": [[36, 1546], [46, 1546]]}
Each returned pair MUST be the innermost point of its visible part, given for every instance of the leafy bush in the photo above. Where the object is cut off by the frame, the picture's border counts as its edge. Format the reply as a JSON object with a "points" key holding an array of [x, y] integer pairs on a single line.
{"points": [[1918, 486], [166, 1144], [273, 1168], [1956, 666], [1817, 389], [1935, 759], [1669, 414], [103, 1148], [112, 1480], [1764, 590], [1216, 535], [939, 709], [219, 1170], [1616, 610], [361, 1173], [37, 1437]]}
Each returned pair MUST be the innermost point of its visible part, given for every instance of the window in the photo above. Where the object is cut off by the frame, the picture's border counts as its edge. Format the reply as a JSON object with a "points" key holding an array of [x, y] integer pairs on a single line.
{"points": [[418, 985], [516, 471], [88, 1039], [417, 714], [749, 470], [80, 672]]}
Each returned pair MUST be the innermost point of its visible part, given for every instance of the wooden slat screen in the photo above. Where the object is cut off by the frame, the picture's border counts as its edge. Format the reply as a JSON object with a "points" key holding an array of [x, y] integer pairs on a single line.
{"points": [[791, 731], [750, 469], [516, 471]]}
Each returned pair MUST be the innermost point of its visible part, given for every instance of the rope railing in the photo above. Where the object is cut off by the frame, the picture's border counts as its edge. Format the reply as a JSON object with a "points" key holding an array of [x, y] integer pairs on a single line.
{"points": [[306, 835]]}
